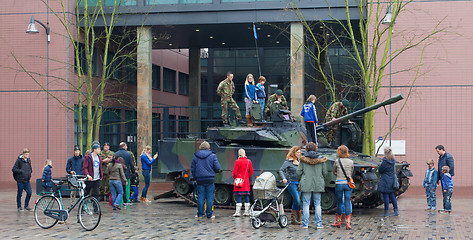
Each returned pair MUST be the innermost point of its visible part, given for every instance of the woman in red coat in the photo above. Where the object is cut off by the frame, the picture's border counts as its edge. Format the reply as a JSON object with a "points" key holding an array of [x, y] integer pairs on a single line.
{"points": [[242, 169]]}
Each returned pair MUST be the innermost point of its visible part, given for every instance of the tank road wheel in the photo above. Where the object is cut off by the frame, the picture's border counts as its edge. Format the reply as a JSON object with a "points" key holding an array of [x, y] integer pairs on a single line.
{"points": [[287, 201], [223, 195], [282, 221], [256, 223], [372, 200], [182, 186], [328, 200]]}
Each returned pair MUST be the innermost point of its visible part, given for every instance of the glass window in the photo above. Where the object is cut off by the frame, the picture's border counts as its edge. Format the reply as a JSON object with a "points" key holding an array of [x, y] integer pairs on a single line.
{"points": [[169, 80], [130, 70], [111, 125], [183, 84], [121, 2], [156, 77], [183, 126], [83, 60], [156, 129], [156, 2], [172, 126], [113, 66]]}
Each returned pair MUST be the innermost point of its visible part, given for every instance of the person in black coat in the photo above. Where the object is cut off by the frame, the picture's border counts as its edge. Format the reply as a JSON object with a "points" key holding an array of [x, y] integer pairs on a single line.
{"points": [[22, 174], [385, 186], [445, 159], [129, 170]]}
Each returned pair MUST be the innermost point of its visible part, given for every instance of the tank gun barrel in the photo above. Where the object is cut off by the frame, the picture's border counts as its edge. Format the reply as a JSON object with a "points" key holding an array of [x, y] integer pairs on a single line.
{"points": [[360, 112]]}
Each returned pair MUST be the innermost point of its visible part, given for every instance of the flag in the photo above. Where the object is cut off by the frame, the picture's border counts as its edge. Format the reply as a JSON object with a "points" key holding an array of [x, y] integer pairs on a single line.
{"points": [[254, 32]]}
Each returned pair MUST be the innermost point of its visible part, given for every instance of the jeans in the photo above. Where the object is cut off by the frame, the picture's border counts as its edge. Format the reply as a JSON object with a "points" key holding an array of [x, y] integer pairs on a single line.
{"points": [[116, 187], [238, 198], [343, 194], [134, 197], [386, 198], [23, 186], [431, 197], [261, 103], [296, 196], [205, 193], [147, 176], [447, 199], [316, 196]]}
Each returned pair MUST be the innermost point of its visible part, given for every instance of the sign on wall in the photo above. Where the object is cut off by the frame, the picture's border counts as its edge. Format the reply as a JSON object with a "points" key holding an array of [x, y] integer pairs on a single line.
{"points": [[398, 146]]}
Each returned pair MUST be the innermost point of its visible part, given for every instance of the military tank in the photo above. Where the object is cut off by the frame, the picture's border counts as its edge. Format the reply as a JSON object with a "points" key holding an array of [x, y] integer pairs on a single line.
{"points": [[267, 146]]}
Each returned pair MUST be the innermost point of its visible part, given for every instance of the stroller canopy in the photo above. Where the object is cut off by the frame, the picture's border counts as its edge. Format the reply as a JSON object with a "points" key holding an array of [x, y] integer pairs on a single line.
{"points": [[265, 181]]}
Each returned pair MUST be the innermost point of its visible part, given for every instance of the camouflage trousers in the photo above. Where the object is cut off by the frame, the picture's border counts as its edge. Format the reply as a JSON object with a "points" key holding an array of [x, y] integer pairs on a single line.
{"points": [[331, 134], [225, 102], [104, 186]]}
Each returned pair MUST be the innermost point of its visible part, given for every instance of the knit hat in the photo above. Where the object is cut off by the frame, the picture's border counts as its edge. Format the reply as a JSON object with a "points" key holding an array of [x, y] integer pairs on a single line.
{"points": [[95, 146], [76, 147], [96, 142], [279, 92]]}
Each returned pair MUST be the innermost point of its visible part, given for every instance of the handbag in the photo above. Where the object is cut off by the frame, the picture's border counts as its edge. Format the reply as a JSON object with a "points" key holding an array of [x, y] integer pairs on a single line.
{"points": [[396, 181], [239, 181], [351, 183]]}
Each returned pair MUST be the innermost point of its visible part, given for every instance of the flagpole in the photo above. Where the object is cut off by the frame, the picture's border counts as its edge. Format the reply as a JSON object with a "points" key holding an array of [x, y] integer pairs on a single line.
{"points": [[257, 52]]}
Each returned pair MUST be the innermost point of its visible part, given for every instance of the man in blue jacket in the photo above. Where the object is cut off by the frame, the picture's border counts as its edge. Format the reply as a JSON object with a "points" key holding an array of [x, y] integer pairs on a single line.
{"points": [[310, 118], [74, 164], [445, 159], [203, 168]]}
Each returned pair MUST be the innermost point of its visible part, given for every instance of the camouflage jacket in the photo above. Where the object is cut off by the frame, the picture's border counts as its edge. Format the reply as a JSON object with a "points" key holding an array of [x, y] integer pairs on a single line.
{"points": [[274, 98], [226, 88], [335, 111], [104, 155]]}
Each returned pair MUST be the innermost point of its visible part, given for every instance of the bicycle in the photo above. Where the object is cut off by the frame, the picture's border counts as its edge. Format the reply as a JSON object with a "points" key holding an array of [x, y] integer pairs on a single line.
{"points": [[49, 209]]}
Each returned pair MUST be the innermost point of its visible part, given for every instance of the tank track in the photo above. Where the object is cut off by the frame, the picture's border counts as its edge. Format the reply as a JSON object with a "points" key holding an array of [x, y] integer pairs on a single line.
{"points": [[404, 185]]}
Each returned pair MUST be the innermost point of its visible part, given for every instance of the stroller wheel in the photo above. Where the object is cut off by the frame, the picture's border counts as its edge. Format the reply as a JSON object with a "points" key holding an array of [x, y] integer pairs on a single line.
{"points": [[282, 221], [256, 222]]}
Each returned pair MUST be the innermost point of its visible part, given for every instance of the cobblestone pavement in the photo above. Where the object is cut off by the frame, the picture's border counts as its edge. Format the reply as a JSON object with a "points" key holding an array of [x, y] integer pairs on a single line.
{"points": [[173, 219]]}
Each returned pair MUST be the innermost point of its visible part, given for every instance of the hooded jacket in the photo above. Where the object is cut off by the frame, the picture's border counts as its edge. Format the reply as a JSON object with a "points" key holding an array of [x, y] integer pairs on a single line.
{"points": [[309, 112], [386, 172], [447, 182], [204, 166], [22, 169], [312, 172]]}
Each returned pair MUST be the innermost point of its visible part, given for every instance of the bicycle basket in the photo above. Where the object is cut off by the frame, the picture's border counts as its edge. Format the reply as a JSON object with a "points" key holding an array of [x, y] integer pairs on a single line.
{"points": [[73, 181]]}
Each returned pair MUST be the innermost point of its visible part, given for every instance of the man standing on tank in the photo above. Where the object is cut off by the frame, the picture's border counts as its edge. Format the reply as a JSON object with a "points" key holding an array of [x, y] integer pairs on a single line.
{"points": [[225, 90], [445, 159], [338, 109]]}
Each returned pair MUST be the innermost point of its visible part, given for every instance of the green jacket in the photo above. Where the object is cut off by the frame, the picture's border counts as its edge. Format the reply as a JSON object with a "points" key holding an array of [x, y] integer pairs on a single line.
{"points": [[311, 173], [226, 88], [335, 111]]}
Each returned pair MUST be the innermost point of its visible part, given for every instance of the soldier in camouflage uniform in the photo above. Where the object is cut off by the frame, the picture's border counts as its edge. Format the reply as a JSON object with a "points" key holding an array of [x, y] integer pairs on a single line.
{"points": [[106, 155], [278, 97], [338, 109], [225, 90]]}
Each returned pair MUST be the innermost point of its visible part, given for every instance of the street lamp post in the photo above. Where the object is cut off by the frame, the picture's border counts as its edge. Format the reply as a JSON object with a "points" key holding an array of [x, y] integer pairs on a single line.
{"points": [[32, 29], [387, 20]]}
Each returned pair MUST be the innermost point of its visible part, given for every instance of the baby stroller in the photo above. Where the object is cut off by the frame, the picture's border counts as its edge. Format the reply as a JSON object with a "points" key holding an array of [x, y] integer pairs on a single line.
{"points": [[268, 202]]}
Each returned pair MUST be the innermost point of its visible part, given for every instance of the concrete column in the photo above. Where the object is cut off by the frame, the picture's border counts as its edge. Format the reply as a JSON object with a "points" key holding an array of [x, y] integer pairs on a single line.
{"points": [[144, 86], [194, 90], [297, 68]]}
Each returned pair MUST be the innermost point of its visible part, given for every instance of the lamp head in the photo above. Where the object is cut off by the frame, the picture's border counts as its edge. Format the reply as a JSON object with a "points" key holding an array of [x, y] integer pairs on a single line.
{"points": [[32, 26]]}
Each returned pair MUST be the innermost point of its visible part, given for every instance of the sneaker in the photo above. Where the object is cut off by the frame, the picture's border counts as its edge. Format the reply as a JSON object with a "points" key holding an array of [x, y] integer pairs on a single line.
{"points": [[28, 209], [213, 217], [428, 209], [444, 211], [20, 209], [146, 200], [305, 227], [320, 227], [197, 217], [128, 204]]}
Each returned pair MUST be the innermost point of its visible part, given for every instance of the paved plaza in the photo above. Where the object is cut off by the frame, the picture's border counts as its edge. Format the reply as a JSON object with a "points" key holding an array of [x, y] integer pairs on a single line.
{"points": [[174, 219]]}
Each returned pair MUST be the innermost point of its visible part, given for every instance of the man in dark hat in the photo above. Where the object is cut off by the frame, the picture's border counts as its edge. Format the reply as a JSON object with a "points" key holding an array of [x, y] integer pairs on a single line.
{"points": [[92, 168], [276, 98], [106, 155], [338, 109], [74, 164]]}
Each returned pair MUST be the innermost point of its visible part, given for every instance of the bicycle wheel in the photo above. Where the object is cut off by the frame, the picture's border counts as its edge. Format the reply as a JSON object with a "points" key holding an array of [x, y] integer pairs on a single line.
{"points": [[89, 213], [46, 203]]}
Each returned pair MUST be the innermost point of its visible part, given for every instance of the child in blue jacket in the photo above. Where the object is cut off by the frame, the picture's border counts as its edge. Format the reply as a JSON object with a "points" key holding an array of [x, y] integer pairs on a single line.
{"points": [[430, 184], [48, 184], [310, 118], [447, 186]]}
